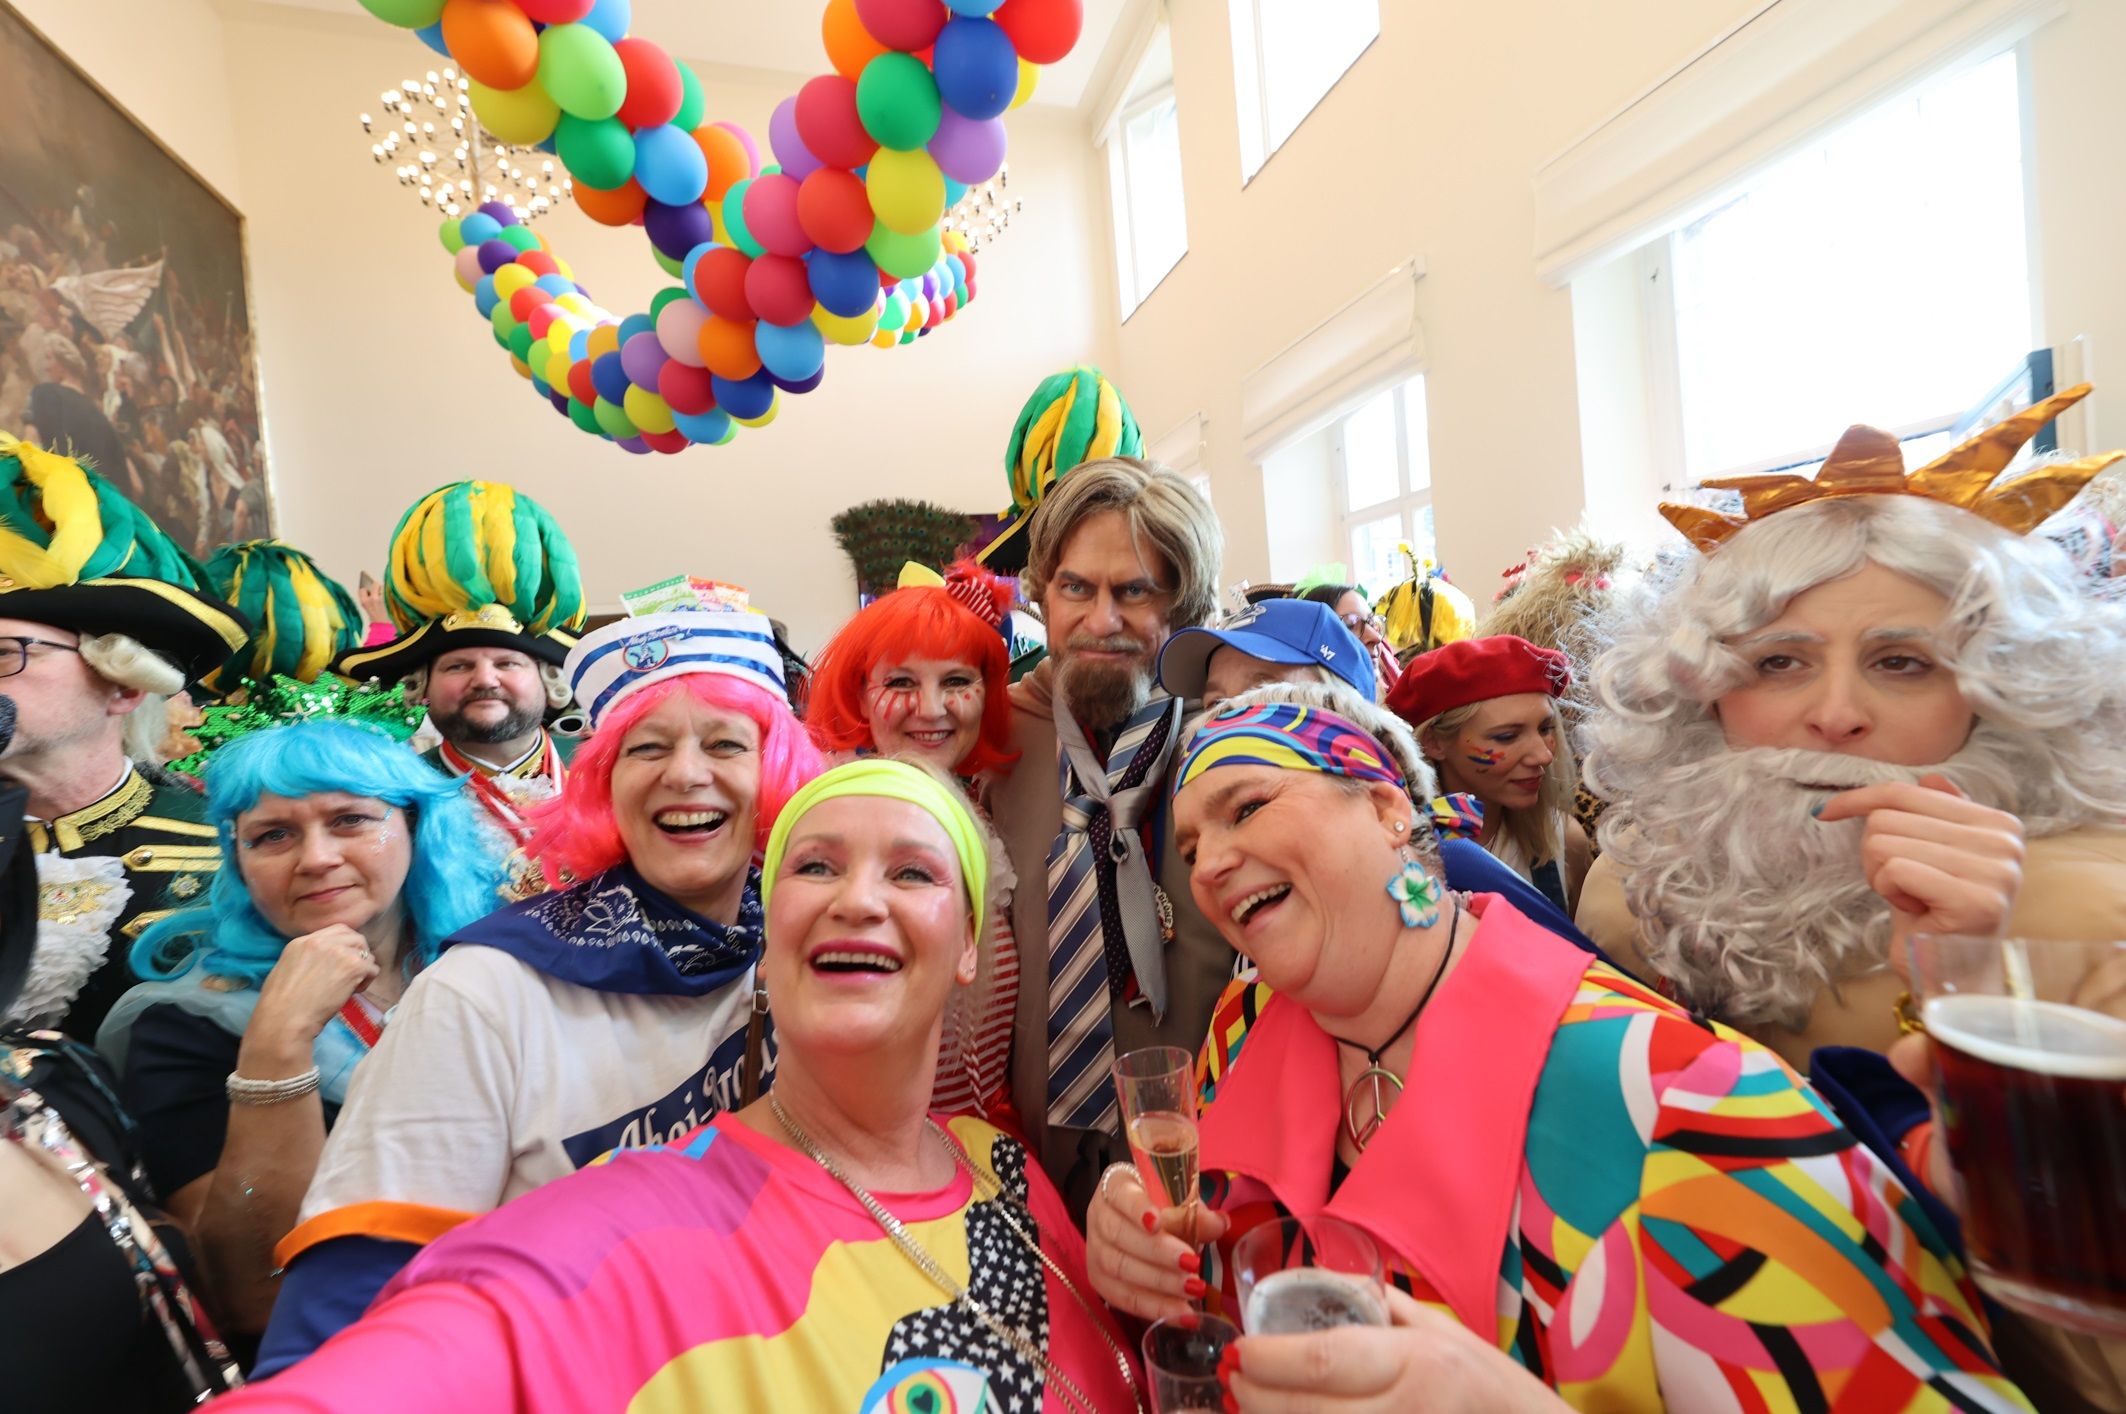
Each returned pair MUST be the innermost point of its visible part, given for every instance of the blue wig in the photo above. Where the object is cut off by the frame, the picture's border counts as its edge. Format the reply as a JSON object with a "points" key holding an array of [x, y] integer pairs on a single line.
{"points": [[451, 882]]}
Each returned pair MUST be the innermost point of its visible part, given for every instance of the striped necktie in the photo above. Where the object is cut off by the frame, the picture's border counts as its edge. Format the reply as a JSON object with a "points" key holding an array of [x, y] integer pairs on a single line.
{"points": [[1088, 948]]}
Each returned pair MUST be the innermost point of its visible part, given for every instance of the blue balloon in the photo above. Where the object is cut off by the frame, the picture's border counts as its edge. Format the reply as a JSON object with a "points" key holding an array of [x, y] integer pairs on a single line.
{"points": [[687, 267], [958, 268], [846, 285], [635, 324], [579, 346], [791, 351], [484, 297], [972, 7], [744, 397], [541, 386], [611, 18], [976, 67], [556, 285], [479, 227], [433, 38], [711, 426], [670, 165], [609, 377], [953, 192]]}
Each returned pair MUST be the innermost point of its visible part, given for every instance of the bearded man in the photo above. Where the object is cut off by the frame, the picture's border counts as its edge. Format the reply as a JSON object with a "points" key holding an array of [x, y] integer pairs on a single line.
{"points": [[1864, 711]]}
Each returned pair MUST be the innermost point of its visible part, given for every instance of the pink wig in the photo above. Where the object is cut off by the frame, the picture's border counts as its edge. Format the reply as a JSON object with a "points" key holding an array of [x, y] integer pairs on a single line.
{"points": [[576, 836]]}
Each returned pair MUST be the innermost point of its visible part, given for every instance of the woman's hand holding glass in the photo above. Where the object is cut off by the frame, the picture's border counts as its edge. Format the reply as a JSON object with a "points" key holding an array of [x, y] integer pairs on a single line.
{"points": [[1140, 1256], [1425, 1360], [315, 976]]}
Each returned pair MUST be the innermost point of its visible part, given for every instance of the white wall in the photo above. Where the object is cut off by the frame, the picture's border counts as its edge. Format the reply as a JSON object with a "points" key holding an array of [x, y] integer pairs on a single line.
{"points": [[1427, 148], [1299, 508]]}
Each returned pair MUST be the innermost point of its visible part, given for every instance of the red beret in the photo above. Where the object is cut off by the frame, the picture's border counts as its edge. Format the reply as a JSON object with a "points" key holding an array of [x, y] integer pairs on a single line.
{"points": [[1476, 670]]}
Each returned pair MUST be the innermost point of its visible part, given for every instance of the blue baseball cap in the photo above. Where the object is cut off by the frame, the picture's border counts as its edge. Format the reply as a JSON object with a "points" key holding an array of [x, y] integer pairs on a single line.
{"points": [[1289, 631]]}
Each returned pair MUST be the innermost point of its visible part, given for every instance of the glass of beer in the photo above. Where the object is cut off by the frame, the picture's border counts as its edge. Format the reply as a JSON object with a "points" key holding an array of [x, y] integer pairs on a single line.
{"points": [[1181, 1361], [2029, 1047], [1157, 1091], [1295, 1276]]}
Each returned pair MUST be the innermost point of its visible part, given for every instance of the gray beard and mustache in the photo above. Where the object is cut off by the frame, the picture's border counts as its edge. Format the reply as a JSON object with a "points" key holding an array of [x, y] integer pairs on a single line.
{"points": [[1749, 904], [456, 729], [1103, 695]]}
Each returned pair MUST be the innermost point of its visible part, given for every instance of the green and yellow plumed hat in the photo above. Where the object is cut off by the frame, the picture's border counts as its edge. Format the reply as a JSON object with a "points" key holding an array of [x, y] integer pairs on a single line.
{"points": [[304, 618], [77, 555], [1074, 416], [475, 564]]}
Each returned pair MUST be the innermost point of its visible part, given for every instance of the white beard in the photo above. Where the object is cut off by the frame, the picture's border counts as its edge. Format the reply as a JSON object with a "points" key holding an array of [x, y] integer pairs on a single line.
{"points": [[1749, 904]]}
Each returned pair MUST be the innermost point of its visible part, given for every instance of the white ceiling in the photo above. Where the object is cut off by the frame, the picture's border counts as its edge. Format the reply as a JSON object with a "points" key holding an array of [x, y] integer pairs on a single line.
{"points": [[782, 37]]}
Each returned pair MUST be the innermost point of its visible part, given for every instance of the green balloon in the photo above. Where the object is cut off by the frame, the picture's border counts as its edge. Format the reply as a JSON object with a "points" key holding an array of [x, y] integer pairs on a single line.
{"points": [[612, 420], [895, 314], [521, 236], [665, 297], [599, 152], [909, 257], [692, 101], [407, 14], [453, 239], [520, 341], [504, 320], [669, 266], [734, 218], [580, 413], [897, 100], [580, 71]]}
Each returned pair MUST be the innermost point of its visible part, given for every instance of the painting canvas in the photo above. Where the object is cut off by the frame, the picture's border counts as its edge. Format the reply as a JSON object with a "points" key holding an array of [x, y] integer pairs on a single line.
{"points": [[125, 326]]}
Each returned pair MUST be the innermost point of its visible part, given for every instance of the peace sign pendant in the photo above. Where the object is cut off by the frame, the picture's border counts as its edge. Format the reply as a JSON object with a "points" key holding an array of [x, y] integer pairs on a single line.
{"points": [[1366, 1105]]}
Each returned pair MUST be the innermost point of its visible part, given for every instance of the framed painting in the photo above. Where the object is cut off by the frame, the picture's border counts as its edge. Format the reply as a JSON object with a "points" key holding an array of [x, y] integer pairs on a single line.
{"points": [[125, 318]]}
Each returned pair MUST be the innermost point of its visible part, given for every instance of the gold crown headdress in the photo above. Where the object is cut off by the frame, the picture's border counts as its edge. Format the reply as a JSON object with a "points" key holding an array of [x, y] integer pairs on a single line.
{"points": [[1868, 462]]}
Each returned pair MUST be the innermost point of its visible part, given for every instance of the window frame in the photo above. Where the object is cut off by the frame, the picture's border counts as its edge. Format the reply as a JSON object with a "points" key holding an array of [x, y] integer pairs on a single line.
{"points": [[1122, 199], [1407, 504], [1258, 90]]}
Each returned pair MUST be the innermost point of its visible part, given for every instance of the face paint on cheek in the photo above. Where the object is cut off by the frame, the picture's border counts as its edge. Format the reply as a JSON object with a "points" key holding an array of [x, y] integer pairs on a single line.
{"points": [[963, 699], [893, 706], [1485, 758]]}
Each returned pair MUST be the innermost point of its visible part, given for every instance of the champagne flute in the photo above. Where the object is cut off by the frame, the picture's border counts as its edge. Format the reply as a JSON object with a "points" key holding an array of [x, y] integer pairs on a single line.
{"points": [[1293, 1277], [1156, 1088]]}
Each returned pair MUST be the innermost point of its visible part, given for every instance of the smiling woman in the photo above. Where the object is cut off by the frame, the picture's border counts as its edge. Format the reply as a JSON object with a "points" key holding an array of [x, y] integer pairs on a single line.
{"points": [[619, 1011]]}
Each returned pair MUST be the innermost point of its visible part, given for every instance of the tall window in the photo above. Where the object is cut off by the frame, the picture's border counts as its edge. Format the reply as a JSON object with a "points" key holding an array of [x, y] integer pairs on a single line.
{"points": [[1879, 276], [1384, 484], [1144, 179], [1287, 55]]}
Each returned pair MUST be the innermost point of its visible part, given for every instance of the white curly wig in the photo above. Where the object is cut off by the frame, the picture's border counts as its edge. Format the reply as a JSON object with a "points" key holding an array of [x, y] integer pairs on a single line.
{"points": [[1751, 909], [131, 663]]}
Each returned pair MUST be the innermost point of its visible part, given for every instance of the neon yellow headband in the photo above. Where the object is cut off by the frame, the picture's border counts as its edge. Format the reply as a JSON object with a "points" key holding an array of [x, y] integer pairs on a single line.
{"points": [[888, 780]]}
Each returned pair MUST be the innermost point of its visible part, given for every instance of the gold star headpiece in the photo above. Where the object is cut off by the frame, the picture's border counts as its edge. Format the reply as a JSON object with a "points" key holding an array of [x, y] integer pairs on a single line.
{"points": [[1868, 462]]}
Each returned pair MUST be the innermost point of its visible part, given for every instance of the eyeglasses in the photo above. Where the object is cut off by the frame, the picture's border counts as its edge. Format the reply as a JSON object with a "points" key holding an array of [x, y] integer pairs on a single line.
{"points": [[15, 652], [1355, 622]]}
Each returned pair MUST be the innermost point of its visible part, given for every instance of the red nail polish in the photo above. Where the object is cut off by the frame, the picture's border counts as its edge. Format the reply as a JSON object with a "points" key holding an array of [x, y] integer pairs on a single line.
{"points": [[1191, 1263], [1194, 1288], [1232, 1405], [1228, 1362], [1151, 1222]]}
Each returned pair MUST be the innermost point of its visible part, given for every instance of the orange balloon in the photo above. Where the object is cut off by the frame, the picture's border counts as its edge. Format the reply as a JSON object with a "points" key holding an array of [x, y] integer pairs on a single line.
{"points": [[727, 348], [492, 41], [604, 339], [728, 161], [849, 45], [617, 207]]}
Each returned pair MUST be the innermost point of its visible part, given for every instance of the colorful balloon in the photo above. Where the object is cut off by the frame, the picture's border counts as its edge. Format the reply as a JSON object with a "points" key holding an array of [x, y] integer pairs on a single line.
{"points": [[907, 190], [581, 72], [670, 167], [600, 152], [1042, 31], [794, 352], [555, 12], [406, 14], [779, 289], [654, 88], [907, 25], [977, 69], [619, 207], [850, 46], [611, 18], [719, 282], [897, 101], [771, 211], [789, 146], [835, 210], [828, 121], [523, 115]]}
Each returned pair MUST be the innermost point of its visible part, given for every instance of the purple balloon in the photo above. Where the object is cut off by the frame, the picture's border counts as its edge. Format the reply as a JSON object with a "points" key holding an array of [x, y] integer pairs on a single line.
{"points": [[930, 287], [798, 385], [790, 150], [560, 401], [640, 358], [634, 444], [500, 211], [969, 150], [495, 254], [676, 230]]}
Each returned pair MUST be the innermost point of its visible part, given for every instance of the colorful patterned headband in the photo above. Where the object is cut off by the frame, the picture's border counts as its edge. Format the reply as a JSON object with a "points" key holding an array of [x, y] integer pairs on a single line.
{"points": [[1289, 738]]}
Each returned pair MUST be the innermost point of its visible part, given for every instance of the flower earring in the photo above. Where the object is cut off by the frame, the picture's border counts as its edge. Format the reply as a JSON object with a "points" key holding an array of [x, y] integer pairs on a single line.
{"points": [[1415, 891]]}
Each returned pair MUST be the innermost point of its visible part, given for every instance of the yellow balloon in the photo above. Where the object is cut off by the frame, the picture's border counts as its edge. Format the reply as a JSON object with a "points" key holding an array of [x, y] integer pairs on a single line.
{"points": [[512, 278], [765, 418], [605, 339], [564, 269], [520, 115], [647, 411], [575, 303], [907, 190], [845, 331], [885, 339], [1029, 79]]}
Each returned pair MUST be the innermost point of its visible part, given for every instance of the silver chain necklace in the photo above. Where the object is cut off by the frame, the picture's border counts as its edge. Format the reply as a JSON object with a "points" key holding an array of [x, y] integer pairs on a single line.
{"points": [[985, 1189]]}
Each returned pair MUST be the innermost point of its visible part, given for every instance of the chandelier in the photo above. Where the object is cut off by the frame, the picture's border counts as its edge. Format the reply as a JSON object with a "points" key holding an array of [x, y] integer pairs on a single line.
{"points": [[439, 151], [985, 212]]}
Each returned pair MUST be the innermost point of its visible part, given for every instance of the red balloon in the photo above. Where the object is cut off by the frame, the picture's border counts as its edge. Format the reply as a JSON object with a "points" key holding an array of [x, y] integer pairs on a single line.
{"points": [[952, 305], [654, 91], [524, 301], [539, 262], [966, 260], [778, 289], [1043, 31], [937, 311], [580, 386], [834, 210], [666, 442], [556, 12], [827, 121], [720, 283], [685, 389], [542, 319], [902, 24], [772, 214]]}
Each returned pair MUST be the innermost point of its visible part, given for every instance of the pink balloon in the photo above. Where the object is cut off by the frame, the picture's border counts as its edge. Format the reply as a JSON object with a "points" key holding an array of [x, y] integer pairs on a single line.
{"points": [[556, 12], [469, 271], [679, 331], [790, 150], [771, 215]]}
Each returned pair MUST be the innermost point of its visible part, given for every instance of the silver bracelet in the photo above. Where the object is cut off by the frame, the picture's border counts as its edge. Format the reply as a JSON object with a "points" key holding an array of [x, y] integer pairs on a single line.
{"points": [[243, 1091]]}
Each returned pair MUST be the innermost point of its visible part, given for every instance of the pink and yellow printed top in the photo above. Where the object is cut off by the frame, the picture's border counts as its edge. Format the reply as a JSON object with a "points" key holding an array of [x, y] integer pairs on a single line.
{"points": [[1647, 1210], [723, 1272]]}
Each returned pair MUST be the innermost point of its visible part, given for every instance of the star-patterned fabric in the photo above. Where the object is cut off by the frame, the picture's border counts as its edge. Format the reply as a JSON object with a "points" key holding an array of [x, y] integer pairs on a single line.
{"points": [[726, 1271]]}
